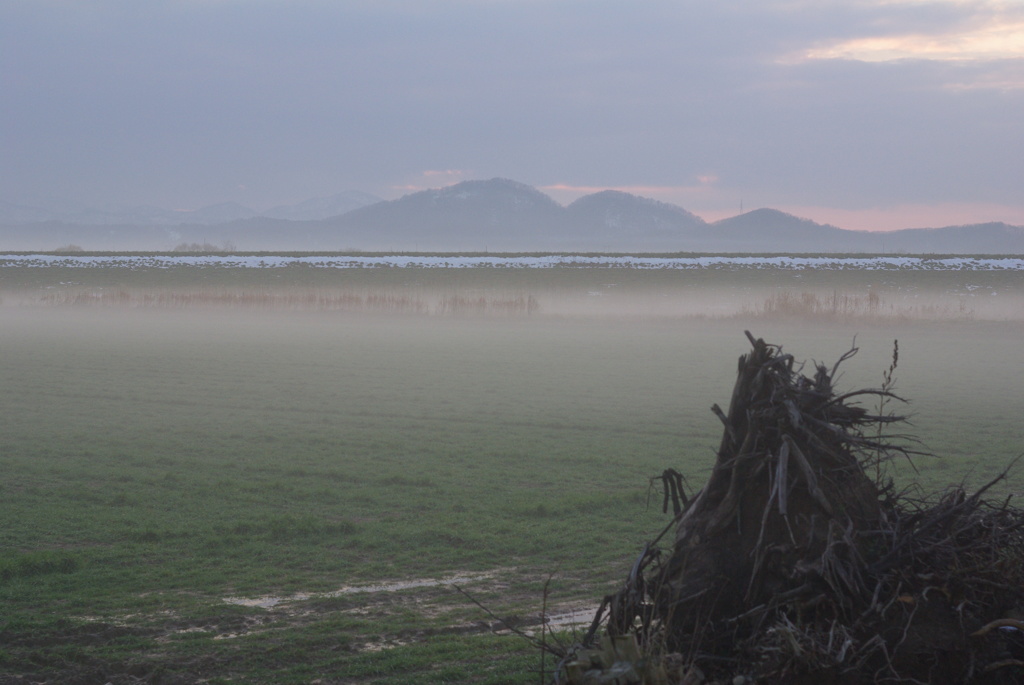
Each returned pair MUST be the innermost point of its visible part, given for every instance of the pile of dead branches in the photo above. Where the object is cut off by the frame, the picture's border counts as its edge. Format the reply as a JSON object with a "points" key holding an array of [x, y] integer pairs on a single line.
{"points": [[799, 563]]}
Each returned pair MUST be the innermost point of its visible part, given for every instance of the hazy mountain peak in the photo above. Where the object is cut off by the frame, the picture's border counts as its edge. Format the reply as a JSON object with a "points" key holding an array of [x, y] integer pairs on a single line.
{"points": [[621, 199], [615, 210], [761, 214], [496, 190], [317, 208], [497, 214], [768, 218], [229, 206], [222, 212]]}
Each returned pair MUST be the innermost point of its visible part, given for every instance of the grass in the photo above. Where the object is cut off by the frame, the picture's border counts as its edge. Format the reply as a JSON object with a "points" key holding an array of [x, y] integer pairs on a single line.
{"points": [[157, 461]]}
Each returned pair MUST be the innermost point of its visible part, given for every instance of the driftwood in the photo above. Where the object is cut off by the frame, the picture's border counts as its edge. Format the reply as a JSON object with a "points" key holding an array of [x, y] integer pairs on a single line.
{"points": [[794, 565]]}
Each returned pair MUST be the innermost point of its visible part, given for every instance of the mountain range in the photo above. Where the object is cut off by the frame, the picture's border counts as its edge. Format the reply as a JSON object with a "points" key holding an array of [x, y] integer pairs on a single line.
{"points": [[497, 215], [63, 211]]}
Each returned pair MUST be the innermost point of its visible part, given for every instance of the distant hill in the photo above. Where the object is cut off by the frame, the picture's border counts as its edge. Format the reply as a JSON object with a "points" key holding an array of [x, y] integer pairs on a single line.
{"points": [[474, 215], [496, 215], [504, 215], [55, 211], [761, 230], [323, 207], [217, 214], [65, 212], [618, 220], [988, 238]]}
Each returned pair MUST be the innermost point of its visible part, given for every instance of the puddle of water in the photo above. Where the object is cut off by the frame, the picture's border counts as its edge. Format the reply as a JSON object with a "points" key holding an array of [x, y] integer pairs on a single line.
{"points": [[271, 601]]}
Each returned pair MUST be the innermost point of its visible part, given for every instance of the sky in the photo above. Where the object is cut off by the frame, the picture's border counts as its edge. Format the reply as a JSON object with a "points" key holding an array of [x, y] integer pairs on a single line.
{"points": [[866, 114]]}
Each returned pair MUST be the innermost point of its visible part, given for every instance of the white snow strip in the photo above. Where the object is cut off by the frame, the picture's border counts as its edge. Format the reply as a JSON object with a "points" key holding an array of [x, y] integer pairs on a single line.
{"points": [[536, 262]]}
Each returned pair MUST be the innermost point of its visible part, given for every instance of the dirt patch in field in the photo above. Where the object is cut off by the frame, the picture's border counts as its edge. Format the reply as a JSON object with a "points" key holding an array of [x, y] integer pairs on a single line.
{"points": [[272, 601], [273, 633]]}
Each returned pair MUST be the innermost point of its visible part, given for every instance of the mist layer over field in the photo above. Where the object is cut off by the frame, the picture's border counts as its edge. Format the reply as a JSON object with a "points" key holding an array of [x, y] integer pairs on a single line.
{"points": [[227, 379], [170, 463], [833, 288]]}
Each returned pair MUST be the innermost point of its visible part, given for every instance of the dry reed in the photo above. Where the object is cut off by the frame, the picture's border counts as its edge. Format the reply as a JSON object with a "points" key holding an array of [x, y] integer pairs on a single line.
{"points": [[298, 299], [840, 306]]}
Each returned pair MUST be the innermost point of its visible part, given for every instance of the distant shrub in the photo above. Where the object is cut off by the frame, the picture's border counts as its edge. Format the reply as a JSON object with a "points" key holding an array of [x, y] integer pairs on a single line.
{"points": [[480, 306], [841, 306], [71, 247], [204, 247]]}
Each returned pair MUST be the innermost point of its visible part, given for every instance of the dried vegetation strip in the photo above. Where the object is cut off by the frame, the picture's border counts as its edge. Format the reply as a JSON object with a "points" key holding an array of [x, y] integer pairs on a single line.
{"points": [[305, 299]]}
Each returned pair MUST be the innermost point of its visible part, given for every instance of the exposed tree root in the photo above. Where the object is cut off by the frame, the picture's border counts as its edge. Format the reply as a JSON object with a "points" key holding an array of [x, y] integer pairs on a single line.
{"points": [[794, 565]]}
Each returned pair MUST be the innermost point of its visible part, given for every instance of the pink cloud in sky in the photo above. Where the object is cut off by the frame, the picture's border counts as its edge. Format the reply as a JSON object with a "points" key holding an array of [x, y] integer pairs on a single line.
{"points": [[456, 174], [432, 178], [994, 37]]}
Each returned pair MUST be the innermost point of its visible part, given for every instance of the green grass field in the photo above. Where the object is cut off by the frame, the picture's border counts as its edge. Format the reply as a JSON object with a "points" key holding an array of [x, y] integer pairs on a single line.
{"points": [[166, 470]]}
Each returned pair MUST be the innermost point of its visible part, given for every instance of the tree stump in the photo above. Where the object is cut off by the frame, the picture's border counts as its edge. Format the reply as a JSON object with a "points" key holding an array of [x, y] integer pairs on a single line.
{"points": [[797, 562]]}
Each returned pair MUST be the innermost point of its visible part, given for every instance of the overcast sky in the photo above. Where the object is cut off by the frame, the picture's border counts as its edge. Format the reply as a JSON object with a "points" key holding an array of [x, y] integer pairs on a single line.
{"points": [[861, 113]]}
